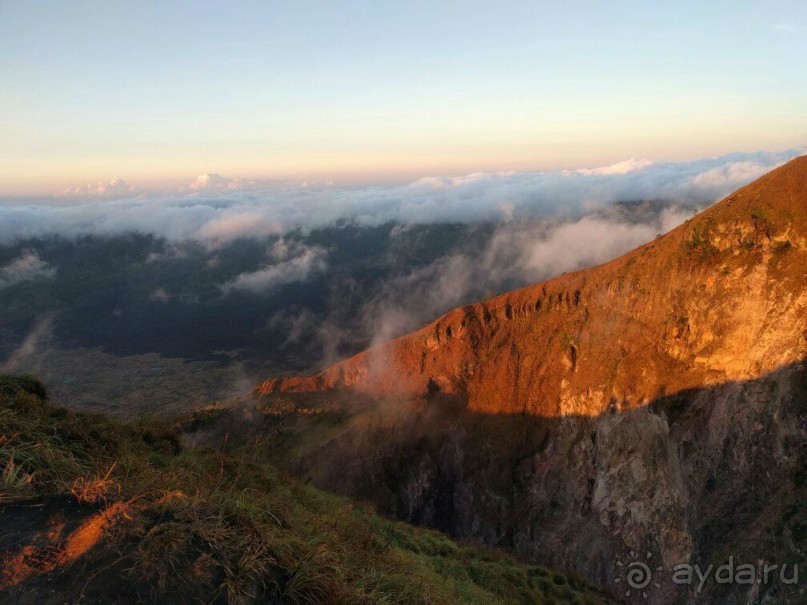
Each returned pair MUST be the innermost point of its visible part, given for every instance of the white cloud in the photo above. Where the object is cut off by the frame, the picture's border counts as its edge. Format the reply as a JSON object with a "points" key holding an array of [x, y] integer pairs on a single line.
{"points": [[27, 267], [35, 343], [293, 262], [233, 224], [171, 251], [115, 188], [624, 167], [213, 181], [517, 254], [729, 175], [283, 250], [572, 246]]}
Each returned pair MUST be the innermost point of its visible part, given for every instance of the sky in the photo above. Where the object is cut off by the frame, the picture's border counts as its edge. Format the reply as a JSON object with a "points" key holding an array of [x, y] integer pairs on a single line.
{"points": [[156, 93]]}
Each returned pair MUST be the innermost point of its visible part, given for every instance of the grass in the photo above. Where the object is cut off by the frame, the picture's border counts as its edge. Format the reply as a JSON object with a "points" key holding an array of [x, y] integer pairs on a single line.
{"points": [[15, 385], [700, 244], [205, 526]]}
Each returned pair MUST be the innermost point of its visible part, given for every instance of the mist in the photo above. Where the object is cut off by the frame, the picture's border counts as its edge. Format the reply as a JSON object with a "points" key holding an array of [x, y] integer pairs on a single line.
{"points": [[33, 347], [26, 267]]}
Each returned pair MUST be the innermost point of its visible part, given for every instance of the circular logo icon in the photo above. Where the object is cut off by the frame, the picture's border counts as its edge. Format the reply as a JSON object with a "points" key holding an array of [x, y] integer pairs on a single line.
{"points": [[637, 575]]}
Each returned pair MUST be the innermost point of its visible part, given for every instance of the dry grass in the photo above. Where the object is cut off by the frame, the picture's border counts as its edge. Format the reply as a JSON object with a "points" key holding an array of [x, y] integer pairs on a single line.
{"points": [[93, 489]]}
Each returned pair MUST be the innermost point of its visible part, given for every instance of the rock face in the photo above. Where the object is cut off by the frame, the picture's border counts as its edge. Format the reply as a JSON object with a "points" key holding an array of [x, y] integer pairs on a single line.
{"points": [[697, 477], [720, 298], [653, 409]]}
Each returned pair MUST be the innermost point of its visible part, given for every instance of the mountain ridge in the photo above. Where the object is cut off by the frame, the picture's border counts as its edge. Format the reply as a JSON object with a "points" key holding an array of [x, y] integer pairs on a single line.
{"points": [[614, 336]]}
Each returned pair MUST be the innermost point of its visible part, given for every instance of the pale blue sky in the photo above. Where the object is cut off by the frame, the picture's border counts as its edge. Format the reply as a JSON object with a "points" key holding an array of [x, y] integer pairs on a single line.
{"points": [[157, 92]]}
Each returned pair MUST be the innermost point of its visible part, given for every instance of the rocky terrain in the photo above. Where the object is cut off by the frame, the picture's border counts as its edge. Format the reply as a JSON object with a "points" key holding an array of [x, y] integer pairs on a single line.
{"points": [[650, 410]]}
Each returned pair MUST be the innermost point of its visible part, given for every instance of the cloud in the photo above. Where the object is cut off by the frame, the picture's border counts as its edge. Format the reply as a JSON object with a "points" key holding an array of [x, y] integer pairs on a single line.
{"points": [[296, 325], [235, 224], [212, 182], [293, 262], [216, 209], [572, 246], [171, 252], [624, 167], [718, 178], [115, 188], [160, 295], [27, 267]]}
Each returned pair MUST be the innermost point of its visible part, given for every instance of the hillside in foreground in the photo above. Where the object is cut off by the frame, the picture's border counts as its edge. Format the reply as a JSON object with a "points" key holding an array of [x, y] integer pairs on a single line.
{"points": [[94, 511]]}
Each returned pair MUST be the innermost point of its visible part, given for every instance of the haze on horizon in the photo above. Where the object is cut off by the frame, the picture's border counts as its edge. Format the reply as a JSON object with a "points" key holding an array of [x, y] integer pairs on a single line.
{"points": [[157, 93]]}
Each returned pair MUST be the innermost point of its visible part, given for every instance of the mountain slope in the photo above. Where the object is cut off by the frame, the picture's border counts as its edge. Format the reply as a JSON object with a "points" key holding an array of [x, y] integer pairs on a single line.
{"points": [[722, 297]]}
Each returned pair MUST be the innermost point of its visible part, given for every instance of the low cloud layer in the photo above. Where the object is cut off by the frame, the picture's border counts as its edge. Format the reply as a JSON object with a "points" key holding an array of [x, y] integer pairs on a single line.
{"points": [[218, 209], [623, 167], [27, 267]]}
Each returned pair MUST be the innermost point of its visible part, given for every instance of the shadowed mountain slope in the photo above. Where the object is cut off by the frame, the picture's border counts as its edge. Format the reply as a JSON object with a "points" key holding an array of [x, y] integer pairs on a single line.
{"points": [[720, 298]]}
